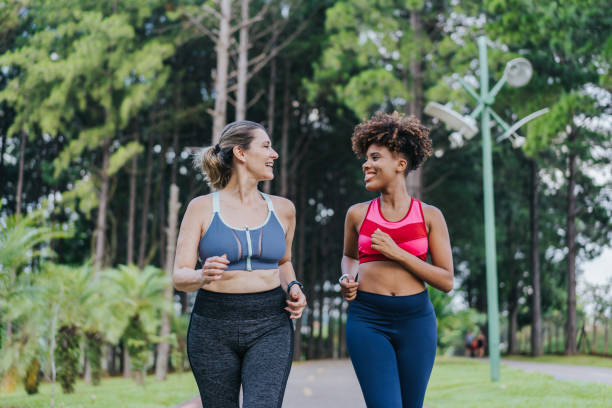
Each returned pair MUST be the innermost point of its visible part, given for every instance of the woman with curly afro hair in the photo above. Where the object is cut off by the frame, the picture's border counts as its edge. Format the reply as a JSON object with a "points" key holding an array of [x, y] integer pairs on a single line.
{"points": [[391, 326]]}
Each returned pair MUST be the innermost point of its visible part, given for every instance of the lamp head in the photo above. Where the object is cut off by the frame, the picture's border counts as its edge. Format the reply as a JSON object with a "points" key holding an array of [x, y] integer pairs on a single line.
{"points": [[454, 120], [518, 72]]}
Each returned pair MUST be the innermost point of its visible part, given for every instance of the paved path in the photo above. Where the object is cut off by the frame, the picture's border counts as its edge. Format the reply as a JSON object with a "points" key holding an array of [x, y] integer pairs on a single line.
{"points": [[320, 384], [332, 383], [565, 372]]}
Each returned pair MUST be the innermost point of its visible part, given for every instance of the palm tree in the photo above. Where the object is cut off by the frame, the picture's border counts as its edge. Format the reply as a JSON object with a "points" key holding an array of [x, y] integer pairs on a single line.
{"points": [[22, 239], [139, 297]]}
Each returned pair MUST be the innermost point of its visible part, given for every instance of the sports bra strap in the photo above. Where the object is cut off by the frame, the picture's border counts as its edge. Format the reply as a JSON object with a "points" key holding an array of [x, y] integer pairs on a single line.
{"points": [[268, 201], [215, 199]]}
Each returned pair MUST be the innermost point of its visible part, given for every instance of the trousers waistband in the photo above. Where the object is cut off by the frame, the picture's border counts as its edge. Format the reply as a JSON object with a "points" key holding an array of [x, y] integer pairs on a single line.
{"points": [[393, 306], [240, 306]]}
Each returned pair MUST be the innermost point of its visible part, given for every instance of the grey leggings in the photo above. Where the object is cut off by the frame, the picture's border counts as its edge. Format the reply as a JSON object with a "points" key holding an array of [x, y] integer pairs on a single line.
{"points": [[236, 339]]}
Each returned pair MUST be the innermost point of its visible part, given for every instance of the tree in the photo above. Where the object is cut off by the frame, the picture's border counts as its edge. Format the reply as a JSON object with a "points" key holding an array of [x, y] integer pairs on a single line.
{"points": [[100, 74], [377, 57], [569, 61], [139, 297]]}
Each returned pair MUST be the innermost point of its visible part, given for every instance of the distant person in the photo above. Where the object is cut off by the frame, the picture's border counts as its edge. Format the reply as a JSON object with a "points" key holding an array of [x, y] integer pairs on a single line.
{"points": [[391, 325], [240, 331], [480, 344], [469, 347]]}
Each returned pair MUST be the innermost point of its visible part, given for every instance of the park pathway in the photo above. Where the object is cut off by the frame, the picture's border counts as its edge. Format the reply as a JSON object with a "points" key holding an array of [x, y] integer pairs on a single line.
{"points": [[320, 384], [565, 372]]}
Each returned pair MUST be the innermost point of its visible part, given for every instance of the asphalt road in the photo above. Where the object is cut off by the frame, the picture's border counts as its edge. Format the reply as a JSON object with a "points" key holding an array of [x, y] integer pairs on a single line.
{"points": [[565, 372], [318, 384]]}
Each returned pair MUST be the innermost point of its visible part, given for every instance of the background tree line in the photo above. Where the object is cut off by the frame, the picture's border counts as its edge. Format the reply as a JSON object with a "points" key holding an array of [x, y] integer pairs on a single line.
{"points": [[103, 103]]}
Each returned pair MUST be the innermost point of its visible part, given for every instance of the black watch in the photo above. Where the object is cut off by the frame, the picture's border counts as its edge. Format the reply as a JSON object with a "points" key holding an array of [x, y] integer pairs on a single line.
{"points": [[295, 282]]}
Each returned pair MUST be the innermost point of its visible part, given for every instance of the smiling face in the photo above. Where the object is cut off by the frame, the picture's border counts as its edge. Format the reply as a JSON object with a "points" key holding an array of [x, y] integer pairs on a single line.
{"points": [[259, 158], [382, 167]]}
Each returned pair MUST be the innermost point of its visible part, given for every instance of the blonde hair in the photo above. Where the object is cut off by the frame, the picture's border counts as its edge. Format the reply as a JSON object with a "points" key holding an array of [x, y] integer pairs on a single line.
{"points": [[216, 162]]}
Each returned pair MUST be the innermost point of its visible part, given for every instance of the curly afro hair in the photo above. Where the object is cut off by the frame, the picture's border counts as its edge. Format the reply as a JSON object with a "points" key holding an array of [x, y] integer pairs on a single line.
{"points": [[405, 135]]}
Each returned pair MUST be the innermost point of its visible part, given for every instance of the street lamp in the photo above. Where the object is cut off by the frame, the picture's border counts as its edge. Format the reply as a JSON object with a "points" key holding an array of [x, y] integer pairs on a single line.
{"points": [[517, 73]]}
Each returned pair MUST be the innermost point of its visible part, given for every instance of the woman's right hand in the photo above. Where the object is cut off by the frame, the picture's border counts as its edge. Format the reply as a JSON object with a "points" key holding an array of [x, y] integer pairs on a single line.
{"points": [[348, 287], [213, 268]]}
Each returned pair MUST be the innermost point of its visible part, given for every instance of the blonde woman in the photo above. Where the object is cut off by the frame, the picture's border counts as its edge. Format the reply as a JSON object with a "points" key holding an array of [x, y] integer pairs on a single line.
{"points": [[240, 331]]}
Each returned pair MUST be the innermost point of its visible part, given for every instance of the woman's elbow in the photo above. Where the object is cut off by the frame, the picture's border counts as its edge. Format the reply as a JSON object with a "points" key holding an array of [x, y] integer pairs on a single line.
{"points": [[448, 284], [176, 281]]}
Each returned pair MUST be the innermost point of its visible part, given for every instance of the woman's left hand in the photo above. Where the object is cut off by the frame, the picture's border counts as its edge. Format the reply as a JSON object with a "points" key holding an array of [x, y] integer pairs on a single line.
{"points": [[296, 302], [383, 243]]}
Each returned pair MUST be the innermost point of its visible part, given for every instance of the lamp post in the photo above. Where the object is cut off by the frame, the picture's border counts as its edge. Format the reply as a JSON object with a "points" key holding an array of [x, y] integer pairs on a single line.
{"points": [[517, 73]]}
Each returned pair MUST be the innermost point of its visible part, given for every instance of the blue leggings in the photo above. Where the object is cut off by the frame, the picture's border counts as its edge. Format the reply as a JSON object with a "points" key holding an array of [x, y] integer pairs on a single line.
{"points": [[392, 344]]}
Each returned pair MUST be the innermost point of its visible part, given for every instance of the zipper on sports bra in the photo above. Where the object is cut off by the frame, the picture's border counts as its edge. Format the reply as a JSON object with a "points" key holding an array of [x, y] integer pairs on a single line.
{"points": [[250, 253]]}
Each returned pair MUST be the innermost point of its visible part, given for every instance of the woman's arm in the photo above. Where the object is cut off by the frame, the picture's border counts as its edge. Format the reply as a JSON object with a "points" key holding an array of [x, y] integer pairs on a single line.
{"points": [[439, 273], [350, 258], [296, 301], [185, 278]]}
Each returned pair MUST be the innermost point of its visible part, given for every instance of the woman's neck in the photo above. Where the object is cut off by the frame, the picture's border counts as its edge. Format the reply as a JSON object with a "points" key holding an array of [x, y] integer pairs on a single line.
{"points": [[243, 189], [395, 193]]}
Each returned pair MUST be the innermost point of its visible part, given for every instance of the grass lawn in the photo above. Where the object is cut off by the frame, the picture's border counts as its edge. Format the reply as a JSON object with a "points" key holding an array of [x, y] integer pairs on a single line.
{"points": [[112, 393], [584, 360], [459, 382], [455, 383]]}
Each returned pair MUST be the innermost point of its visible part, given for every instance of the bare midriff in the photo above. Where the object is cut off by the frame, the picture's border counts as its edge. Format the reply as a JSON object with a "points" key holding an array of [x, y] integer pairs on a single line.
{"points": [[238, 281], [388, 278]]}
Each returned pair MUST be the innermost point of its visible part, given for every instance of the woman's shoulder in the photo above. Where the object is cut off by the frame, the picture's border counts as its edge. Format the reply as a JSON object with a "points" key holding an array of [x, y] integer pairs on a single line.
{"points": [[282, 205], [431, 212], [200, 204], [358, 211]]}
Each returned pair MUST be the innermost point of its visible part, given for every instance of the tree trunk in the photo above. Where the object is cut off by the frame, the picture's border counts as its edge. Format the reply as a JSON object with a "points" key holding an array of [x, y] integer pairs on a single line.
{"points": [[163, 351], [127, 364], [222, 51], [103, 202], [284, 159], [594, 349], [314, 252], [606, 335], [243, 62], [132, 211], [2, 150], [9, 324], [513, 314], [20, 174], [145, 204], [536, 308], [570, 345], [321, 293], [267, 187], [299, 271], [161, 185], [414, 179]]}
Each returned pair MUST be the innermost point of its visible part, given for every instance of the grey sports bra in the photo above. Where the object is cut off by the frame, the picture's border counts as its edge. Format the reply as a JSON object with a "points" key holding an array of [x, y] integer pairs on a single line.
{"points": [[246, 248]]}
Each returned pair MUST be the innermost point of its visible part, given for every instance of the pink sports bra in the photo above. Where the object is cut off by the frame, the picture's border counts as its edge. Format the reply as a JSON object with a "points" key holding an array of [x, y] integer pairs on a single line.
{"points": [[409, 233]]}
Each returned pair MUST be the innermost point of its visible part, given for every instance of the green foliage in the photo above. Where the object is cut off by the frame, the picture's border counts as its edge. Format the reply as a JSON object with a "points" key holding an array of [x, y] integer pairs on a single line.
{"points": [[452, 324], [369, 51], [139, 299], [20, 238], [93, 344], [32, 378], [67, 357], [137, 344], [180, 326]]}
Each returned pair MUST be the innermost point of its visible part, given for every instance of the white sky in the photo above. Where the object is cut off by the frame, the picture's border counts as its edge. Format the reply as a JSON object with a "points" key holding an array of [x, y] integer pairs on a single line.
{"points": [[599, 270]]}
